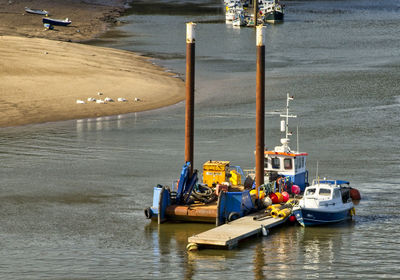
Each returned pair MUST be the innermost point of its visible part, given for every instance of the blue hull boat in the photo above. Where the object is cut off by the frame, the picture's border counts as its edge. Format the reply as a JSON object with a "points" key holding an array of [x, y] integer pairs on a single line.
{"points": [[59, 22], [325, 202], [313, 218]]}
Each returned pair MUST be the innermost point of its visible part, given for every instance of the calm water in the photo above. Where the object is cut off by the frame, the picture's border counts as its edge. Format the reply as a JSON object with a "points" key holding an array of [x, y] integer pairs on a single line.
{"points": [[73, 193]]}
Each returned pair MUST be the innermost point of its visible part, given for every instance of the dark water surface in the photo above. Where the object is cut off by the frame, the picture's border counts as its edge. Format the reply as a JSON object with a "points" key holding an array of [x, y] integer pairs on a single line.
{"points": [[73, 193]]}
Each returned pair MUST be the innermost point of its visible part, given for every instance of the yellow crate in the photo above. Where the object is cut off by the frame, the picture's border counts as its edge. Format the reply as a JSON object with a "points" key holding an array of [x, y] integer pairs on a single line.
{"points": [[215, 172]]}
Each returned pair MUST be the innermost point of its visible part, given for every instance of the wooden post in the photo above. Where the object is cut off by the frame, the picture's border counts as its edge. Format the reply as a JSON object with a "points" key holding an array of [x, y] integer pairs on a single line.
{"points": [[189, 116], [260, 106]]}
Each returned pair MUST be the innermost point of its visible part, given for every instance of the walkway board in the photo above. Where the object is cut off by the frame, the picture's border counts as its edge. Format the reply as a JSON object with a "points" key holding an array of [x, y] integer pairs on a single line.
{"points": [[228, 235]]}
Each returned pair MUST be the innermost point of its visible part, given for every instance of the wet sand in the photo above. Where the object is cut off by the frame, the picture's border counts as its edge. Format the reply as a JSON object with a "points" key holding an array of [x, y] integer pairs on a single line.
{"points": [[90, 18], [43, 77]]}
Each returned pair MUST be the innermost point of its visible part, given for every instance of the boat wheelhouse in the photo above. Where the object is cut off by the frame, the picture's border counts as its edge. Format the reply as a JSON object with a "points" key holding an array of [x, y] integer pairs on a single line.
{"points": [[288, 164], [285, 162]]}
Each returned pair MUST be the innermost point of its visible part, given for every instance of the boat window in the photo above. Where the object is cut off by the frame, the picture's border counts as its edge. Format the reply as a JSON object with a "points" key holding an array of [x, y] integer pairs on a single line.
{"points": [[287, 163], [336, 193], [298, 163], [324, 192], [266, 163], [275, 163], [310, 192]]}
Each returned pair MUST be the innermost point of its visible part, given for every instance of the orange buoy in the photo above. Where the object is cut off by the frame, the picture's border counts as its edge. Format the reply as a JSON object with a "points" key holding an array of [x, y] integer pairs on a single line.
{"points": [[355, 194], [280, 197]]}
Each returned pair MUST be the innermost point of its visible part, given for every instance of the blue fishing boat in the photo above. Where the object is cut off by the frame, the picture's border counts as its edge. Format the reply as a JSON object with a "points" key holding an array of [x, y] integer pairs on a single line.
{"points": [[325, 202], [59, 22], [285, 162]]}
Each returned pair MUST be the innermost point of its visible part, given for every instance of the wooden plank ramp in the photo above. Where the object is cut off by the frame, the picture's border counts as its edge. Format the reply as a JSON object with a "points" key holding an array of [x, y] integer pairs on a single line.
{"points": [[228, 235]]}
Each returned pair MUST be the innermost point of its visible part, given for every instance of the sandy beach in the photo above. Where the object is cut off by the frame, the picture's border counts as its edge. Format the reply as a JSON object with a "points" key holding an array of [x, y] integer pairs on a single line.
{"points": [[43, 77], [41, 81]]}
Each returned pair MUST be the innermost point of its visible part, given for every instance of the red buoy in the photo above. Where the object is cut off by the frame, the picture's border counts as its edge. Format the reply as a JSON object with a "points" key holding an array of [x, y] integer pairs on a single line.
{"points": [[292, 218], [295, 189], [285, 196], [274, 198], [355, 194]]}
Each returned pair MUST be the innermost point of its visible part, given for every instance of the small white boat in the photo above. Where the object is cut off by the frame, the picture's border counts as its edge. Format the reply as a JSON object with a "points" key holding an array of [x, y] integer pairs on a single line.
{"points": [[232, 9], [36, 11], [239, 19], [325, 202]]}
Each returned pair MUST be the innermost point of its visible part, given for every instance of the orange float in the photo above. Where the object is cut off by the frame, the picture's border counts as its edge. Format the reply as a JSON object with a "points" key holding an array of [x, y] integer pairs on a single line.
{"points": [[280, 197]]}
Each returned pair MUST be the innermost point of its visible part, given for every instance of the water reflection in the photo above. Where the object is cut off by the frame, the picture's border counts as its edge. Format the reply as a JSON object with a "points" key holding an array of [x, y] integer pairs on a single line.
{"points": [[105, 123], [171, 239], [287, 249]]}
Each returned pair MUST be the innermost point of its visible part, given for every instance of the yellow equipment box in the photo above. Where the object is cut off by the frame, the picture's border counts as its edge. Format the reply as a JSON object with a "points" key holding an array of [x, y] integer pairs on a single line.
{"points": [[215, 172], [235, 179]]}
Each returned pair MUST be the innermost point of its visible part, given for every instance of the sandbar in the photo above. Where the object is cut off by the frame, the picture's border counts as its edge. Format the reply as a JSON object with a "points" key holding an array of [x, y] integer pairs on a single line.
{"points": [[44, 73], [41, 81]]}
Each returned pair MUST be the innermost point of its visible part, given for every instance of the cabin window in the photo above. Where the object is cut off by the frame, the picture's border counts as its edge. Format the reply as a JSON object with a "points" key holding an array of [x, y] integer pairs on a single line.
{"points": [[336, 193], [287, 163], [275, 163], [266, 163], [310, 192], [324, 192]]}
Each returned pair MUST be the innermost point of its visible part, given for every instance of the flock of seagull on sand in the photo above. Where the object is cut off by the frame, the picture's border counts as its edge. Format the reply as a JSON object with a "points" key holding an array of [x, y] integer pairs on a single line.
{"points": [[101, 101]]}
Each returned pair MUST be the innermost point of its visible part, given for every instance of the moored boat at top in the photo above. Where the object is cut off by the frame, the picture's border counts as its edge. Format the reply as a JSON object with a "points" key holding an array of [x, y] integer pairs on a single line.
{"points": [[60, 22], [239, 19], [232, 9], [271, 11], [325, 202]]}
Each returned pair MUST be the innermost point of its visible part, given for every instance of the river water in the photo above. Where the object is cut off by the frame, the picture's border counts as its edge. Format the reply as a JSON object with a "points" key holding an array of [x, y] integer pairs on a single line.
{"points": [[73, 193]]}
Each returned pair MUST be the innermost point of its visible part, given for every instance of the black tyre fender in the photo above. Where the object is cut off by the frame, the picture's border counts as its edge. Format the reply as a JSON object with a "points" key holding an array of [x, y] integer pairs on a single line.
{"points": [[233, 216], [148, 213]]}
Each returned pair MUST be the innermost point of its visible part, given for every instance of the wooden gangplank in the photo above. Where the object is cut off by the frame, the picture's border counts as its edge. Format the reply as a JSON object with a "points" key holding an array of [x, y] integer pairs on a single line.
{"points": [[228, 235]]}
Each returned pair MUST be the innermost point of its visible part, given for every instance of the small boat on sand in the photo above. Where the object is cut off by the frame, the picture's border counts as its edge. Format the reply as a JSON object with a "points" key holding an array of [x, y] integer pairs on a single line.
{"points": [[325, 202], [60, 22], [36, 11]]}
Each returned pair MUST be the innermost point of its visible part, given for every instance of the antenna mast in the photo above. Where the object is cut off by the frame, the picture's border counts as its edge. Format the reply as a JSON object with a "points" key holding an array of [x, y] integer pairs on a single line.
{"points": [[287, 116]]}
